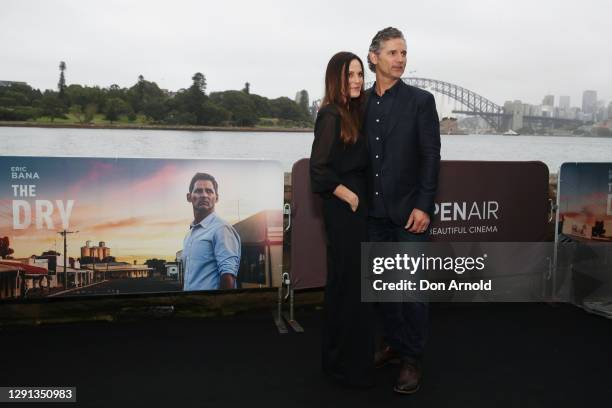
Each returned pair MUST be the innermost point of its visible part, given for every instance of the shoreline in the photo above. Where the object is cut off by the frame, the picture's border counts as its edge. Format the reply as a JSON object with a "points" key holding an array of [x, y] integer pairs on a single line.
{"points": [[155, 127], [196, 128]]}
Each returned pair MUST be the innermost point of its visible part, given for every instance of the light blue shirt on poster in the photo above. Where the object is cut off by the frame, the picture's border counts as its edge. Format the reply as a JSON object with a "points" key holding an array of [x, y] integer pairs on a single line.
{"points": [[210, 249]]}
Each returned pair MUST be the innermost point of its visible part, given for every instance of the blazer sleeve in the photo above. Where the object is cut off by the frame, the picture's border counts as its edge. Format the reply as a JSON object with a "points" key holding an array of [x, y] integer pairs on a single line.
{"points": [[429, 151], [323, 177]]}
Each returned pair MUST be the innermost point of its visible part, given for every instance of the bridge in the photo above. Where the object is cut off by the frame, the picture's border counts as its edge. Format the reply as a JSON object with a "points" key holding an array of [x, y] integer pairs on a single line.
{"points": [[476, 105]]}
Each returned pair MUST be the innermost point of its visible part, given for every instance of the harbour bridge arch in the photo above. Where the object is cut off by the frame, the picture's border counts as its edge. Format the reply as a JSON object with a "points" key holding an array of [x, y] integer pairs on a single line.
{"points": [[475, 104]]}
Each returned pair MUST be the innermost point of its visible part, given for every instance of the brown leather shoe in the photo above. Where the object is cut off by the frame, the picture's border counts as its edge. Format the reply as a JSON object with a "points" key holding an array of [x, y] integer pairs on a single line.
{"points": [[409, 379], [385, 356]]}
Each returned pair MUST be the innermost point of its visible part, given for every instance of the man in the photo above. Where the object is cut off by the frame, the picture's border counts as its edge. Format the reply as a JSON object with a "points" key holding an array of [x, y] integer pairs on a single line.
{"points": [[211, 249], [403, 132]]}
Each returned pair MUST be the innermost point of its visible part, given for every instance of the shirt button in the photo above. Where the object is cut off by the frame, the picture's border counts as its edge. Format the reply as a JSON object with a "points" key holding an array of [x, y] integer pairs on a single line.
{"points": [[377, 138], [377, 120], [377, 193], [376, 174], [377, 156], [378, 103]]}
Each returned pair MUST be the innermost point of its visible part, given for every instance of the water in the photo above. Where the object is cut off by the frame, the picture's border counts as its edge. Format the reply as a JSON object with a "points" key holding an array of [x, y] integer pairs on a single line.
{"points": [[286, 148]]}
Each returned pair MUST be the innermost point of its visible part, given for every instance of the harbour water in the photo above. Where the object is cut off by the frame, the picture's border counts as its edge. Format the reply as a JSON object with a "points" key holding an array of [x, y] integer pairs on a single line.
{"points": [[286, 148]]}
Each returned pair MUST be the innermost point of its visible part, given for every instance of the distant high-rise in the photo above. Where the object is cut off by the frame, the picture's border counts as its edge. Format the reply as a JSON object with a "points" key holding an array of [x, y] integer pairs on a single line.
{"points": [[564, 102], [589, 102], [549, 100], [601, 113]]}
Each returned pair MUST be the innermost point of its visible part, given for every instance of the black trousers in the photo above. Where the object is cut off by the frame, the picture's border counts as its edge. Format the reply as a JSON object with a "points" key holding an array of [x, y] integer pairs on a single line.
{"points": [[348, 327], [405, 324]]}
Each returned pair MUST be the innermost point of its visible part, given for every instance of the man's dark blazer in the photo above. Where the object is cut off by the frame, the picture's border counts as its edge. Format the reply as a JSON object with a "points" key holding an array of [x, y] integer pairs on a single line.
{"points": [[411, 154]]}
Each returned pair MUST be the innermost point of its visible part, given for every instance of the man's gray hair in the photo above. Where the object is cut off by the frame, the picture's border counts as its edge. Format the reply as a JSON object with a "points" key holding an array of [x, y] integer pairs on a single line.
{"points": [[383, 35]]}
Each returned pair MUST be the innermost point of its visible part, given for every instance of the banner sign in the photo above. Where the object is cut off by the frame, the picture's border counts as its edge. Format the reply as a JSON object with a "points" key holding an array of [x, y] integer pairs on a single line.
{"points": [[477, 201], [308, 242], [585, 201], [491, 201], [89, 226]]}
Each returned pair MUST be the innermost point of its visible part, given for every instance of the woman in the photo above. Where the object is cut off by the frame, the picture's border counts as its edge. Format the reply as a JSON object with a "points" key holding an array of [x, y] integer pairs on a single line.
{"points": [[338, 172]]}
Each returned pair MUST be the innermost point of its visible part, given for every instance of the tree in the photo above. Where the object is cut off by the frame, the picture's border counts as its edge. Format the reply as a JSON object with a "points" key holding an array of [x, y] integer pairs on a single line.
{"points": [[215, 115], [19, 102], [190, 103], [262, 106], [114, 108], [19, 95], [78, 112], [142, 92], [247, 88], [84, 101], [139, 90], [199, 82], [52, 106], [285, 108], [115, 91], [90, 112], [155, 109], [61, 85], [303, 101], [239, 105], [84, 113], [5, 249]]}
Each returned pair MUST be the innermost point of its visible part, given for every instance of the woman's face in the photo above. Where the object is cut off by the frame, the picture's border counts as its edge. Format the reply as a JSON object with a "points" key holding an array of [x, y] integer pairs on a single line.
{"points": [[355, 78]]}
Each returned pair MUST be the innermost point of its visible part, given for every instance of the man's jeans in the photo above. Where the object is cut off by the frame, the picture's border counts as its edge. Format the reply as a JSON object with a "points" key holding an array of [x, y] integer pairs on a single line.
{"points": [[405, 324]]}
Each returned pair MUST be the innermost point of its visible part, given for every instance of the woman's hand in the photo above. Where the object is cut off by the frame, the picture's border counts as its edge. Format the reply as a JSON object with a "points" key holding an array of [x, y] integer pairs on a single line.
{"points": [[346, 195]]}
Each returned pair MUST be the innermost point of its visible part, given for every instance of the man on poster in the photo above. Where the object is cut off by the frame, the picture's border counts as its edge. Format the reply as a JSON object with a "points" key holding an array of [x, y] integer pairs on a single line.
{"points": [[403, 130], [211, 249]]}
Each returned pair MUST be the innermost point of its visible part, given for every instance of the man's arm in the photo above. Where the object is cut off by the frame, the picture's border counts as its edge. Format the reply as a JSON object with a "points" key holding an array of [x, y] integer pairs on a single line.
{"points": [[429, 152], [227, 255]]}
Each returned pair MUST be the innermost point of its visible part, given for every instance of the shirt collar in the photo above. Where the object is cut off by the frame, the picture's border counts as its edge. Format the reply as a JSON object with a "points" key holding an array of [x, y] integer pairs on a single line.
{"points": [[205, 222], [391, 91]]}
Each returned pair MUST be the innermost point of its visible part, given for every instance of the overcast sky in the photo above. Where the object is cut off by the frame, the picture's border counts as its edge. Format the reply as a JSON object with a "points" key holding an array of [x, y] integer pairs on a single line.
{"points": [[503, 50]]}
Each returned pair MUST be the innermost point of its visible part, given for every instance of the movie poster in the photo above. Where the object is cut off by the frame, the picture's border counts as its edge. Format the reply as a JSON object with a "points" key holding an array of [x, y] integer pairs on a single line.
{"points": [[93, 226], [585, 201]]}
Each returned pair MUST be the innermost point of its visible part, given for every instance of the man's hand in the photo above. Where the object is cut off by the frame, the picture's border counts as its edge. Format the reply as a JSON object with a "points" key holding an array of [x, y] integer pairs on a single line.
{"points": [[417, 222], [343, 193]]}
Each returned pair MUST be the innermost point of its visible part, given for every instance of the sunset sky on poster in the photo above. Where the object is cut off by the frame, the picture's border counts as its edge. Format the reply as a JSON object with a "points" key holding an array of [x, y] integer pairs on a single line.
{"points": [[138, 207], [586, 190]]}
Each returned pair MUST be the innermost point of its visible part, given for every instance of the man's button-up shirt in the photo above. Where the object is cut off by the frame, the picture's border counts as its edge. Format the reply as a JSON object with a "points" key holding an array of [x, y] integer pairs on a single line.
{"points": [[210, 249], [376, 119]]}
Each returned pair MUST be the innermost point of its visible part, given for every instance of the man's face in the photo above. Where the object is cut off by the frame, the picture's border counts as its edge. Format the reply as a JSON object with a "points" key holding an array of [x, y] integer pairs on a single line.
{"points": [[391, 61], [203, 196]]}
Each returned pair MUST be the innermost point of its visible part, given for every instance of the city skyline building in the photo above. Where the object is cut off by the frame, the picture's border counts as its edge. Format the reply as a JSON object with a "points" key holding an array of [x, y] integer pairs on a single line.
{"points": [[564, 102], [602, 111], [589, 101]]}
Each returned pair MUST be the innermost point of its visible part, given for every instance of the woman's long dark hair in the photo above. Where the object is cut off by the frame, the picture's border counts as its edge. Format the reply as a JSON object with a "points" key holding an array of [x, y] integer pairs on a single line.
{"points": [[350, 109]]}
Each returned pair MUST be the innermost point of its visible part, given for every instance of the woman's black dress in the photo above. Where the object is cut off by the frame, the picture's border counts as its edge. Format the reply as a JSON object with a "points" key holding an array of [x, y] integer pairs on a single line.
{"points": [[348, 343]]}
